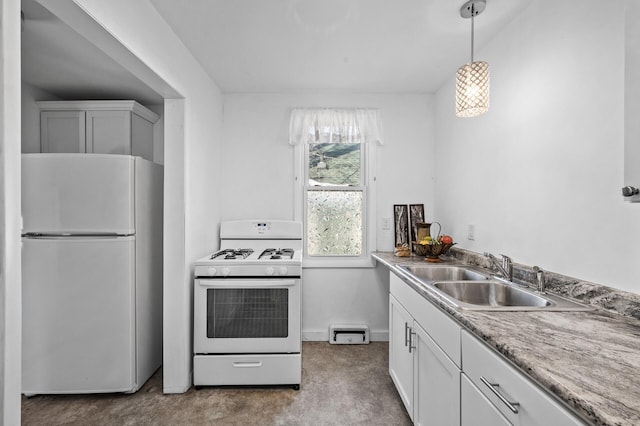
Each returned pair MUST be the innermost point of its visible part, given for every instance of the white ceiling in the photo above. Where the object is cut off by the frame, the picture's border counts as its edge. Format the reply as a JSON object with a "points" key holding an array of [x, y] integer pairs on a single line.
{"points": [[58, 60], [352, 45], [267, 46]]}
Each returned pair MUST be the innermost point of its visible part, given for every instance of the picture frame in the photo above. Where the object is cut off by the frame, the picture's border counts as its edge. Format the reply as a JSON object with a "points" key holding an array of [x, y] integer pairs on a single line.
{"points": [[416, 215], [401, 225]]}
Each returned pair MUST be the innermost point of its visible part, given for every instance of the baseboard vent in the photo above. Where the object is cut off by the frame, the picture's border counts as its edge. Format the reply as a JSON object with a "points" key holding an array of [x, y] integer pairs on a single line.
{"points": [[349, 334]]}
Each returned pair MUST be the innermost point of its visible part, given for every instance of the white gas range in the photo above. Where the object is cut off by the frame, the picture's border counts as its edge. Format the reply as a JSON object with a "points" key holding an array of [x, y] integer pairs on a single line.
{"points": [[247, 299]]}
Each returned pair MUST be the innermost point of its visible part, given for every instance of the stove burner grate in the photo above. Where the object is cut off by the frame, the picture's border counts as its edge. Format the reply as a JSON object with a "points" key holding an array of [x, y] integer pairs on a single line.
{"points": [[232, 254], [272, 253]]}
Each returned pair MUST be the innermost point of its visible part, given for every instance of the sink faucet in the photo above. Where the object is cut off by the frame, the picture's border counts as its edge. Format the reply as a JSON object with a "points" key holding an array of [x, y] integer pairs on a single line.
{"points": [[506, 269], [540, 282]]}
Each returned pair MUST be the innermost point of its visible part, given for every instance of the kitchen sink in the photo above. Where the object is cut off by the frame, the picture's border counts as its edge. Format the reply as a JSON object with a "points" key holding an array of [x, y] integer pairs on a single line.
{"points": [[490, 293], [471, 288], [446, 273]]}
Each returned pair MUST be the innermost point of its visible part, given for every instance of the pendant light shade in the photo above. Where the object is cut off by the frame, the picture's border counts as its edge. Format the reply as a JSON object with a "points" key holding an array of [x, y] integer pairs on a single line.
{"points": [[472, 89], [472, 79]]}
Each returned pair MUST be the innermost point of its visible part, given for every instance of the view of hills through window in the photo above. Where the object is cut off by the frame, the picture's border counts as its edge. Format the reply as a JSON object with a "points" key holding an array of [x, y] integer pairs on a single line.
{"points": [[334, 164]]}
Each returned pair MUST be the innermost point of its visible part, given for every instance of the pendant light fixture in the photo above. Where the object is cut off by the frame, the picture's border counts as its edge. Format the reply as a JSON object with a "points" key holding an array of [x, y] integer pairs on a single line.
{"points": [[472, 79]]}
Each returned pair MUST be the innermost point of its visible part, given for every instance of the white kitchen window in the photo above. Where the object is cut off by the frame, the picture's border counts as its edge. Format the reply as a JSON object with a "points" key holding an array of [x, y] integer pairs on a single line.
{"points": [[335, 184]]}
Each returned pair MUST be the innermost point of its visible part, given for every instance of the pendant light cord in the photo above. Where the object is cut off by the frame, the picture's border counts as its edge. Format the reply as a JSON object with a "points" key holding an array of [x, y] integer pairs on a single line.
{"points": [[473, 14]]}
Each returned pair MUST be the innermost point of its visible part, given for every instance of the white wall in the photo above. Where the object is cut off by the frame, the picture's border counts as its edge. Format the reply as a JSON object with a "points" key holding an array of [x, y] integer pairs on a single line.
{"points": [[540, 174], [345, 296], [158, 134], [259, 165], [31, 116], [191, 157], [10, 255], [632, 95]]}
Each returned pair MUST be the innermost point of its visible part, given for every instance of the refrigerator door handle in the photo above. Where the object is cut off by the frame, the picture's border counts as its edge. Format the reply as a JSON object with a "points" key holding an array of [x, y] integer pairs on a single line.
{"points": [[49, 235]]}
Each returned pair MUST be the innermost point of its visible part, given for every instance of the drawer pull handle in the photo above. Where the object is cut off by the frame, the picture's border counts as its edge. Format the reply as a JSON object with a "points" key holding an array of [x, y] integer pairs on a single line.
{"points": [[406, 337], [513, 406], [254, 364], [411, 341]]}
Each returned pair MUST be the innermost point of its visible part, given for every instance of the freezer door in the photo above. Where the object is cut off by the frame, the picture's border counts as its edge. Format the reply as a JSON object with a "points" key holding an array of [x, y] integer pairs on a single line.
{"points": [[78, 315], [78, 193]]}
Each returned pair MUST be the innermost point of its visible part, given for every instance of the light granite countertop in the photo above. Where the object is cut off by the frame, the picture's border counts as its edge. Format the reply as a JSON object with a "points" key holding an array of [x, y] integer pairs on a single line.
{"points": [[589, 360]]}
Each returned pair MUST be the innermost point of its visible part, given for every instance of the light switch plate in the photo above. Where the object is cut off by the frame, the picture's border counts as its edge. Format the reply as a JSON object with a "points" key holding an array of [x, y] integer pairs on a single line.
{"points": [[471, 232]]}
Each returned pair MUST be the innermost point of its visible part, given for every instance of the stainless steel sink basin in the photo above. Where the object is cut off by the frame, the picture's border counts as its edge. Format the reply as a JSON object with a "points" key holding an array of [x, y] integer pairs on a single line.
{"points": [[446, 273], [471, 288], [490, 293]]}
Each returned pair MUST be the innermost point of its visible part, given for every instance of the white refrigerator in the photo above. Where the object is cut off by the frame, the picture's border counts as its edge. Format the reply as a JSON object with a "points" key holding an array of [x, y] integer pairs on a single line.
{"points": [[91, 273]]}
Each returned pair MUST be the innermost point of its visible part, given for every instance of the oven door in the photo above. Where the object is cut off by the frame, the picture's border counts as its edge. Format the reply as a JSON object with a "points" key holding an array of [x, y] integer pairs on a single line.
{"points": [[233, 315]]}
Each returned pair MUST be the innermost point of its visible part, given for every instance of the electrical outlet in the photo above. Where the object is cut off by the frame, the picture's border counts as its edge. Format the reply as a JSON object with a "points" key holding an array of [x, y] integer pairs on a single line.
{"points": [[386, 223], [471, 232]]}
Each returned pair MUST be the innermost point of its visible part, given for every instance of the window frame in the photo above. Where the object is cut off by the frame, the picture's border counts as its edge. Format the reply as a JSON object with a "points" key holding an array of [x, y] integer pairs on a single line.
{"points": [[368, 182]]}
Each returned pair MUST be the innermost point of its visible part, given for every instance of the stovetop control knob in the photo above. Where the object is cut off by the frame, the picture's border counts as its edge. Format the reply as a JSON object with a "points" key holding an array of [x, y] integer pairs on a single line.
{"points": [[211, 271], [270, 270], [282, 270], [225, 272]]}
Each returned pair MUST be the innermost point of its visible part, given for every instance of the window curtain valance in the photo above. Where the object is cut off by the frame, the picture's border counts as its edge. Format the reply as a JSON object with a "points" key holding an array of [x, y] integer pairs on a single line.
{"points": [[335, 126]]}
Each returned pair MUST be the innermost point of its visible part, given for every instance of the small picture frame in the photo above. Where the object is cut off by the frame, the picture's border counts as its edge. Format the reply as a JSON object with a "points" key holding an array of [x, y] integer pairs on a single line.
{"points": [[401, 222], [416, 215]]}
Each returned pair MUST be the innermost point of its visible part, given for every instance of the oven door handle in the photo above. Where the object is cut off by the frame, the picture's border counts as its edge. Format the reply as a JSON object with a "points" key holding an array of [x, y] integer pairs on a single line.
{"points": [[246, 284]]}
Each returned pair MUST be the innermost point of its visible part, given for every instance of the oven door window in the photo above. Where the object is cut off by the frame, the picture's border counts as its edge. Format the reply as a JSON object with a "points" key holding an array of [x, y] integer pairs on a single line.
{"points": [[247, 313]]}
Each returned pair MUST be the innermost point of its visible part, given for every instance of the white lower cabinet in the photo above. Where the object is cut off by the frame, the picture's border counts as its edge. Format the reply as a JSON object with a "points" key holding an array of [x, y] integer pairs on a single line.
{"points": [[427, 379], [400, 359], [436, 387], [518, 399], [446, 376], [477, 410]]}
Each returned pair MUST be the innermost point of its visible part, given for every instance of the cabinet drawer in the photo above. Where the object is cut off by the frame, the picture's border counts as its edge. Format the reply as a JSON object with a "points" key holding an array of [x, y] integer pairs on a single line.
{"points": [[520, 400], [441, 328], [477, 410]]}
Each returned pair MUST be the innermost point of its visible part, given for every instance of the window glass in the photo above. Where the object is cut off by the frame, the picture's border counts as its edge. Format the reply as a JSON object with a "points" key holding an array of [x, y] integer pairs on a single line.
{"points": [[240, 313], [334, 199], [334, 223], [337, 164]]}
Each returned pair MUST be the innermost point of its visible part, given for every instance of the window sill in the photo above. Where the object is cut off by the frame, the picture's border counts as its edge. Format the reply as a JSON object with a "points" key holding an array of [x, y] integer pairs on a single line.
{"points": [[338, 262]]}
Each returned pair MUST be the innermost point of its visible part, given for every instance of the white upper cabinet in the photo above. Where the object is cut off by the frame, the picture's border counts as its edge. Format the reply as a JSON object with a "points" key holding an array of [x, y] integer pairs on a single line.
{"points": [[62, 131], [98, 127]]}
